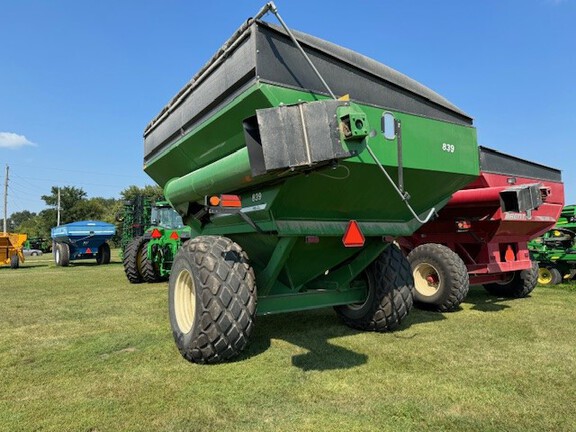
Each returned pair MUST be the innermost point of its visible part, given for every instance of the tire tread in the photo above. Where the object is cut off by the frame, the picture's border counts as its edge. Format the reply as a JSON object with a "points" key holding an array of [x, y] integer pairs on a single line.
{"points": [[457, 281], [130, 260], [393, 294], [227, 290]]}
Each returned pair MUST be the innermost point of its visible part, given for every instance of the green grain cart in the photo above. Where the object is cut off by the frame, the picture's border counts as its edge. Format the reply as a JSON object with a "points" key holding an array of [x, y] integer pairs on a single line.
{"points": [[294, 195]]}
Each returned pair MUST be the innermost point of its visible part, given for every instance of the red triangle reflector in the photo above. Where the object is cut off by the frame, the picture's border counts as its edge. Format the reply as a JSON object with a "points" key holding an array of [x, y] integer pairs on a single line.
{"points": [[174, 235], [88, 250], [156, 233], [509, 255], [353, 237]]}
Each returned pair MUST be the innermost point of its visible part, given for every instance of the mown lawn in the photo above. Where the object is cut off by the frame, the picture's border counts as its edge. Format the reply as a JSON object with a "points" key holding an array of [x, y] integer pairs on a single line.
{"points": [[81, 349]]}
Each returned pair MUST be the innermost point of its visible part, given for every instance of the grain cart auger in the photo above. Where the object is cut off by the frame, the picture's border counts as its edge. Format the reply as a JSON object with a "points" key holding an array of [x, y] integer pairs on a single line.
{"points": [[481, 236], [294, 196], [11, 249]]}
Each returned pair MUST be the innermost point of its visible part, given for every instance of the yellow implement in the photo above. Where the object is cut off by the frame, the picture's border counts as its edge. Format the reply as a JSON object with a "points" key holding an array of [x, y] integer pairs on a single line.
{"points": [[11, 249]]}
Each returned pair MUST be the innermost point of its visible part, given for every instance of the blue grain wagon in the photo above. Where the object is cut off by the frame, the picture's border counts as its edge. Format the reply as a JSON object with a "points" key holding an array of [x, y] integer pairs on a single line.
{"points": [[82, 240]]}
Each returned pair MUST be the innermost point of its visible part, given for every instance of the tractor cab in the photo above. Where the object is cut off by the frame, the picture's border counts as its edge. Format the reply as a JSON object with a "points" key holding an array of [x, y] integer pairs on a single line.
{"points": [[165, 216]]}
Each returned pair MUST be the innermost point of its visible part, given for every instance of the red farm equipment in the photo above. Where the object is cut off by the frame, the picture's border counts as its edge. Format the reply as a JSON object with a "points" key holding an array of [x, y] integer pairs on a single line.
{"points": [[480, 237]]}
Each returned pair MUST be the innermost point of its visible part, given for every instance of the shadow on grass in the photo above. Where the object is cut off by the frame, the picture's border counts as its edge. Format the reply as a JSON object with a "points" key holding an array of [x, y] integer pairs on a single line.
{"points": [[483, 301], [422, 313], [93, 263], [310, 330], [33, 265]]}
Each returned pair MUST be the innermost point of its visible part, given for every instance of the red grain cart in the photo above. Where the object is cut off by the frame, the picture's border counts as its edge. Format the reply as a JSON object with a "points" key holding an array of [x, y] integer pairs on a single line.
{"points": [[480, 237]]}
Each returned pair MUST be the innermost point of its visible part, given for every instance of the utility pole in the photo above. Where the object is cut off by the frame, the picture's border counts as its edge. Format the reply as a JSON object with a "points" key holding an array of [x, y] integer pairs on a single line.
{"points": [[6, 198], [58, 221]]}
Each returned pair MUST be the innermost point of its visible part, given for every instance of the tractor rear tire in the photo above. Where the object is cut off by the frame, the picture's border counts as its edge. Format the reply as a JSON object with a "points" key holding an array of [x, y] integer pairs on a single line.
{"points": [[520, 285], [131, 261], [545, 276], [14, 261], [103, 256], [556, 276], [62, 254], [146, 267], [212, 299], [440, 277], [390, 294]]}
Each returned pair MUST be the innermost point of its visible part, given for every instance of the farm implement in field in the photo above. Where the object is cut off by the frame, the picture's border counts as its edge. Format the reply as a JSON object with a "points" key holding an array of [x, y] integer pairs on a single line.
{"points": [[292, 194], [481, 236], [157, 232], [555, 250], [11, 249], [82, 240]]}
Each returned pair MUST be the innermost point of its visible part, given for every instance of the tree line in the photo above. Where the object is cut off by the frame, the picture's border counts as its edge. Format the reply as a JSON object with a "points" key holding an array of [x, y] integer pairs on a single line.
{"points": [[76, 206]]}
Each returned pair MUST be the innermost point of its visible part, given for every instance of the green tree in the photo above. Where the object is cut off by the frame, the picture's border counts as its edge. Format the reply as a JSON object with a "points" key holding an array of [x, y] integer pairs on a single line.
{"points": [[18, 218], [109, 208], [87, 210], [69, 197], [152, 193], [47, 219], [34, 227], [9, 227]]}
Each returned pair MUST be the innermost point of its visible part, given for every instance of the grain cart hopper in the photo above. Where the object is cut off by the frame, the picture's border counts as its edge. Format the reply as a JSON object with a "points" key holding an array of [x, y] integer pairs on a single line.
{"points": [[481, 235], [555, 250], [82, 240], [148, 257], [293, 195], [11, 249]]}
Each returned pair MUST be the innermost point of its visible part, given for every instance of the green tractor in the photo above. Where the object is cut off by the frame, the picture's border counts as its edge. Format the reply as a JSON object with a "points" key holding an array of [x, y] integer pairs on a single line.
{"points": [[555, 251], [40, 243], [157, 233]]}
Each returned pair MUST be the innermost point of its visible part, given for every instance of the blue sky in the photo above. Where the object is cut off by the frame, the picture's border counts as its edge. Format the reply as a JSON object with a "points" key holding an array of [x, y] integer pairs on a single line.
{"points": [[79, 80]]}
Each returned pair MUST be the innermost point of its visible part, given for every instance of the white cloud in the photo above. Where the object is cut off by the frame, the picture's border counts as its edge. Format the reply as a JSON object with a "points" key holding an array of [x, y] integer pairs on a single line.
{"points": [[13, 141]]}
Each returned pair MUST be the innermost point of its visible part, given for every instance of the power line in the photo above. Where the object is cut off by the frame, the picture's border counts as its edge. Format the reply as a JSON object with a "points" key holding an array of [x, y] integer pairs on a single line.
{"points": [[15, 205], [22, 190], [74, 182], [74, 171]]}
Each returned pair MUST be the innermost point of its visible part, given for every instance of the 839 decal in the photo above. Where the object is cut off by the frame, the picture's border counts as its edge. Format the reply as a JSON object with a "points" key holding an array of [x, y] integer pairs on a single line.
{"points": [[448, 148]]}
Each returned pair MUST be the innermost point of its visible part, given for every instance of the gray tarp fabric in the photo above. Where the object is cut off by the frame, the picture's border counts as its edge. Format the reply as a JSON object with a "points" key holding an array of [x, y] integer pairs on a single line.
{"points": [[263, 52], [492, 161]]}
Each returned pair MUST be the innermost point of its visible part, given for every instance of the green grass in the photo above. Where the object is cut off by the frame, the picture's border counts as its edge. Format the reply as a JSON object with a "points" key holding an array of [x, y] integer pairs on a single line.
{"points": [[81, 349]]}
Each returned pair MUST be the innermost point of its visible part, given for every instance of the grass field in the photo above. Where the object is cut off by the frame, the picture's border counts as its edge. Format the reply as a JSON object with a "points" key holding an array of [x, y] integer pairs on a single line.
{"points": [[81, 349]]}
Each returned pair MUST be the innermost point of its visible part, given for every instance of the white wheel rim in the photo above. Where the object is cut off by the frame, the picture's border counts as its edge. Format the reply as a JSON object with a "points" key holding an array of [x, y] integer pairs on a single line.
{"points": [[185, 301], [427, 280], [57, 256]]}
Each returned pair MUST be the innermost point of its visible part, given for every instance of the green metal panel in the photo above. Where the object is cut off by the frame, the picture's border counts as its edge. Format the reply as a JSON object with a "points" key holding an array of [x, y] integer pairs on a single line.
{"points": [[218, 136], [438, 158], [443, 154], [309, 300]]}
